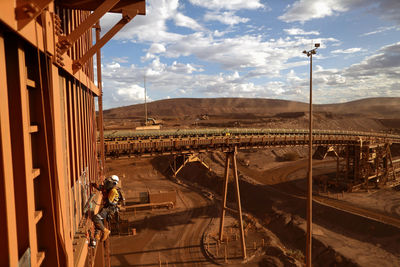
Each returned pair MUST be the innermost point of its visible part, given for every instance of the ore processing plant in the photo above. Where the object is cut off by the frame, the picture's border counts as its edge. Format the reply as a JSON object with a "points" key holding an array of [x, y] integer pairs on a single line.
{"points": [[52, 147]]}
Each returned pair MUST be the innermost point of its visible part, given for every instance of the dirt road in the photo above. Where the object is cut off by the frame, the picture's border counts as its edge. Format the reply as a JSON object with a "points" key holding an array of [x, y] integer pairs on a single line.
{"points": [[163, 236]]}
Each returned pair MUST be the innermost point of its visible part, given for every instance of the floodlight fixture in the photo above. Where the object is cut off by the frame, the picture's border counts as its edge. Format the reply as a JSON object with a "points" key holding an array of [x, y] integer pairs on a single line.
{"points": [[304, 52], [317, 44]]}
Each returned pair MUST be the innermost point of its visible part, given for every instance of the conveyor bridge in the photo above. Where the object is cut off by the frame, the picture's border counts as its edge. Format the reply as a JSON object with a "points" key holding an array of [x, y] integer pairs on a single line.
{"points": [[168, 142]]}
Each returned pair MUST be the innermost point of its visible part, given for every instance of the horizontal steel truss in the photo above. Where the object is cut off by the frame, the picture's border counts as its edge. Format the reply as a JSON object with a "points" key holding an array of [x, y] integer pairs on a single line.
{"points": [[188, 145]]}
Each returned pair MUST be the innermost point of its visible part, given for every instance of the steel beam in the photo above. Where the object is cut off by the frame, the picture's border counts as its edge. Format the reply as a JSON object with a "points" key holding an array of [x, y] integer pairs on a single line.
{"points": [[8, 231], [66, 42], [60, 163], [21, 149], [239, 206], [100, 101], [232, 156], [126, 17], [224, 195], [27, 10]]}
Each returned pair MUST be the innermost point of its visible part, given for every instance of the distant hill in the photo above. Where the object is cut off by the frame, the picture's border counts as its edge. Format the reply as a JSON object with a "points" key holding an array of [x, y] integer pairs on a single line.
{"points": [[385, 107], [372, 114]]}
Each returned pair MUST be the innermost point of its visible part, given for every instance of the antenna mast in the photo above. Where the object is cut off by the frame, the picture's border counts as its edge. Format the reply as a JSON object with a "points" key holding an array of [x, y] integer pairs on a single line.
{"points": [[145, 101]]}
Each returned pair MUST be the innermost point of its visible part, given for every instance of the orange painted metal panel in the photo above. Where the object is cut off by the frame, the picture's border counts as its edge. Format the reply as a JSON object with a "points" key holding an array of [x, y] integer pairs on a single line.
{"points": [[8, 231], [18, 143], [60, 165]]}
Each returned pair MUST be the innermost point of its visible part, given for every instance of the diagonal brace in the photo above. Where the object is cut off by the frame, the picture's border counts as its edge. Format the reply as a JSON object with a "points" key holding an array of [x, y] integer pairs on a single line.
{"points": [[126, 17], [66, 42]]}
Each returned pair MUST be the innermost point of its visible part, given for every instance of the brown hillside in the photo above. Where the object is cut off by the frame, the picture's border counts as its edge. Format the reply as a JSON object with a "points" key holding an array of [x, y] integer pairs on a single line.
{"points": [[372, 114], [216, 106]]}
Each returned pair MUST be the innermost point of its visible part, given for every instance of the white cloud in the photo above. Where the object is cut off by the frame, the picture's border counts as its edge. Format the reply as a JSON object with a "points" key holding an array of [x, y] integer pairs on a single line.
{"points": [[114, 65], [376, 75], [380, 29], [297, 31], [304, 10], [244, 64], [241, 52], [217, 33], [134, 93], [182, 68], [348, 51], [121, 59], [184, 21], [385, 62], [227, 17], [149, 28], [228, 4], [156, 48]]}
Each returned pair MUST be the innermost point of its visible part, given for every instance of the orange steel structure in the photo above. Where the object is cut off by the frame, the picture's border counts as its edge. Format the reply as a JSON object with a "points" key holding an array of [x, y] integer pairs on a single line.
{"points": [[48, 154], [368, 156]]}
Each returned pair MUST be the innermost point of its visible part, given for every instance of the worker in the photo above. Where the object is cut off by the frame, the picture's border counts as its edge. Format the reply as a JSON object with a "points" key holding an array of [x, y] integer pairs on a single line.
{"points": [[112, 197]]}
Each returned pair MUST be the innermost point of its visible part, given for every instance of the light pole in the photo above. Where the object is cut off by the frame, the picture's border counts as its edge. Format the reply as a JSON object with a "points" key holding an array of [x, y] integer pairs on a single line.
{"points": [[309, 180]]}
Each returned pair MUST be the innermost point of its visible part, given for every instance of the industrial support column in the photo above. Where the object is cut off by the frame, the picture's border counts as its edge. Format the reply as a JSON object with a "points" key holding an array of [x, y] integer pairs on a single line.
{"points": [[225, 192], [232, 155], [104, 251], [100, 102], [239, 207]]}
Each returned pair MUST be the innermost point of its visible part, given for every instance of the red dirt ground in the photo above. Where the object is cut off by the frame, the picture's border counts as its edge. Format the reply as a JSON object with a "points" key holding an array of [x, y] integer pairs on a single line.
{"points": [[272, 190]]}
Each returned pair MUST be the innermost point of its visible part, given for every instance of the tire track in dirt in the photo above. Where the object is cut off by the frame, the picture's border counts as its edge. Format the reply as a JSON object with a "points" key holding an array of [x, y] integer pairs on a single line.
{"points": [[183, 246]]}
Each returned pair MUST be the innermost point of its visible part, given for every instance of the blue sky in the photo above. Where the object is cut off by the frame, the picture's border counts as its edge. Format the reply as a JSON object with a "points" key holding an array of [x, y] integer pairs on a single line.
{"points": [[253, 48]]}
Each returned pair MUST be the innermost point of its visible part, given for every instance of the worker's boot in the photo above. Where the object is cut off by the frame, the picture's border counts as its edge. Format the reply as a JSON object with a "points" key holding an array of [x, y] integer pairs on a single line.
{"points": [[106, 233], [97, 236]]}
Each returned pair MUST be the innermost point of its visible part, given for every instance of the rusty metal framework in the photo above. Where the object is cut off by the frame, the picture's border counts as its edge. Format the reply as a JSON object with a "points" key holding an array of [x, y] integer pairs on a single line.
{"points": [[231, 157], [367, 157], [172, 142], [48, 133], [180, 161]]}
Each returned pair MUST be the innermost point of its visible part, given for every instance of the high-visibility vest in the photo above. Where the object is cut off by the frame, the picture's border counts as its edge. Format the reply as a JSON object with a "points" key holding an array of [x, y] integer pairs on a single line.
{"points": [[113, 196]]}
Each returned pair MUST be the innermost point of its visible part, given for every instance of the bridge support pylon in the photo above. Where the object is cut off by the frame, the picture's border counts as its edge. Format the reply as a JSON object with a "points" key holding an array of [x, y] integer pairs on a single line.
{"points": [[232, 156]]}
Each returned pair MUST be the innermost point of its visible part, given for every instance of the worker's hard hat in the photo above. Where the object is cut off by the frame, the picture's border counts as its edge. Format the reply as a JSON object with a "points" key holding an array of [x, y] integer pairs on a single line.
{"points": [[115, 179]]}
